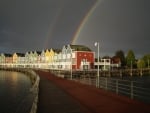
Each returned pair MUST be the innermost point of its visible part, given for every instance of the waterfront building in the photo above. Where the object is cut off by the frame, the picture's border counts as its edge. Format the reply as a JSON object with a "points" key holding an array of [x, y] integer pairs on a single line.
{"points": [[76, 57], [43, 56], [52, 53], [8, 58], [15, 58], [35, 57], [27, 57], [18, 59], [30, 57], [2, 58], [47, 56], [56, 61], [115, 62], [108, 63]]}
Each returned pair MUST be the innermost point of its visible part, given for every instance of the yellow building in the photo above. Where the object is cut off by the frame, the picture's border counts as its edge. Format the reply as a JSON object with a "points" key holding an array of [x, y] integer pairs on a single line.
{"points": [[15, 58], [47, 56], [52, 53]]}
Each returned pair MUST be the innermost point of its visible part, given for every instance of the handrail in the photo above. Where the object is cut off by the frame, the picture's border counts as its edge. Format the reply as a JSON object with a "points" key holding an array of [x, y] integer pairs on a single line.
{"points": [[133, 89]]}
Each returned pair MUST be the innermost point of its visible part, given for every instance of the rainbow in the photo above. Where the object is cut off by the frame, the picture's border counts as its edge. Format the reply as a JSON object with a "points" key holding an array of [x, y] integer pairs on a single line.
{"points": [[52, 25], [84, 20]]}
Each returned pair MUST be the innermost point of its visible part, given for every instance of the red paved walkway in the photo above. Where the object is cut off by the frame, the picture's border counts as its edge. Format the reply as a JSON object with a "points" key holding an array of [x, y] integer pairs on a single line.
{"points": [[93, 100]]}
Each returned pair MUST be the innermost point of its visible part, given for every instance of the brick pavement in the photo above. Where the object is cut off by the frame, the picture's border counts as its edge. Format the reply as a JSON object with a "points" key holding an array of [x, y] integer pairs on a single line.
{"points": [[82, 98], [52, 99]]}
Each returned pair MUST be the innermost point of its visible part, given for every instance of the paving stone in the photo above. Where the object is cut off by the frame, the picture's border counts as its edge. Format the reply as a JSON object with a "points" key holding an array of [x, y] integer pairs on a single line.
{"points": [[54, 100]]}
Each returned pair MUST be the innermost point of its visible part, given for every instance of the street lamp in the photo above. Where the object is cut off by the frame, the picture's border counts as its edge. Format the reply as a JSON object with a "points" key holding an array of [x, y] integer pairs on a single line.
{"points": [[148, 63], [71, 56], [71, 63], [148, 66], [131, 68], [97, 44]]}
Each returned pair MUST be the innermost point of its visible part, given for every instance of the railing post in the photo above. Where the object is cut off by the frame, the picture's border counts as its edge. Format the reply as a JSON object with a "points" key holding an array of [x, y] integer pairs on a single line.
{"points": [[117, 86], [132, 90], [97, 82], [106, 83]]}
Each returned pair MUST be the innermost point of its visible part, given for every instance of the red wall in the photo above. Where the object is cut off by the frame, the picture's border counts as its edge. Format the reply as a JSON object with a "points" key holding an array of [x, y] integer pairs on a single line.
{"points": [[84, 55]]}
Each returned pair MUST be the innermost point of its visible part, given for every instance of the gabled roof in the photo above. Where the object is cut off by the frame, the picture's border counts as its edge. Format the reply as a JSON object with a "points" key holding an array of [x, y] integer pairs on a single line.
{"points": [[39, 52], [57, 50], [80, 48], [7, 55], [20, 54]]}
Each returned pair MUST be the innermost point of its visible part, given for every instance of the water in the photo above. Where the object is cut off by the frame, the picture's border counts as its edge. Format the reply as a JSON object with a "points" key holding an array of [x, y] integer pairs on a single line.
{"points": [[14, 91], [143, 80], [135, 87]]}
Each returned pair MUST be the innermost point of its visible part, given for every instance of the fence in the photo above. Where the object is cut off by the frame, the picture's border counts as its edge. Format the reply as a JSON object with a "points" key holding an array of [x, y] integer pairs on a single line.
{"points": [[132, 89]]}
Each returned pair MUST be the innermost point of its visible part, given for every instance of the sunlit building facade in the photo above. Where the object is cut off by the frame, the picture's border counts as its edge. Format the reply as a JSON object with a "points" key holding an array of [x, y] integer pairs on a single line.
{"points": [[76, 57]]}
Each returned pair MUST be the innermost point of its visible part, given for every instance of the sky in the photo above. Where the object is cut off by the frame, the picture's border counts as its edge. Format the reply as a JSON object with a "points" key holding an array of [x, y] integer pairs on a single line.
{"points": [[29, 25]]}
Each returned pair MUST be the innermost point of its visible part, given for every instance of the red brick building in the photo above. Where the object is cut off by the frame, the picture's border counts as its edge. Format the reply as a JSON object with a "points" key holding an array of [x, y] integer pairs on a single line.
{"points": [[79, 56], [84, 60]]}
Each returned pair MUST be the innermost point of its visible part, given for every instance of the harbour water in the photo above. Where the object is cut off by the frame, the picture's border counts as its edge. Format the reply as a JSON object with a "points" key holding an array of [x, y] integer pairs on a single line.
{"points": [[136, 87], [14, 91]]}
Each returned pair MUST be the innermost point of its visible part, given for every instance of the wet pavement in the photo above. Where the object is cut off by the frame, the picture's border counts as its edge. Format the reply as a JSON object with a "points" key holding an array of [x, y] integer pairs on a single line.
{"points": [[54, 100], [58, 95]]}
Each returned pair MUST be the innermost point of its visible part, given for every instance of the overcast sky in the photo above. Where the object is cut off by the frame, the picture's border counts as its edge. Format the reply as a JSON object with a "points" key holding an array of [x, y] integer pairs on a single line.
{"points": [[27, 25]]}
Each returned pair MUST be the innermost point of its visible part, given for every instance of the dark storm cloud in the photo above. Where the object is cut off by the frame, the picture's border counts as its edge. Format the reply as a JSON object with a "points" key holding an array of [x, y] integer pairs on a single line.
{"points": [[119, 24], [39, 24], [131, 25]]}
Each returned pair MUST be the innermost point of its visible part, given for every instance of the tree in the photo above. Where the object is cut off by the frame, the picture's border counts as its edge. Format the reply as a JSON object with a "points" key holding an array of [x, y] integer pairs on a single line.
{"points": [[146, 59], [121, 55], [141, 64], [106, 57], [130, 59]]}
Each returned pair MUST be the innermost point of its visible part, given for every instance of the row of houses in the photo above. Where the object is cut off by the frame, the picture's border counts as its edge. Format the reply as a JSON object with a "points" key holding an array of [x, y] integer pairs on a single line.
{"points": [[70, 57], [76, 57]]}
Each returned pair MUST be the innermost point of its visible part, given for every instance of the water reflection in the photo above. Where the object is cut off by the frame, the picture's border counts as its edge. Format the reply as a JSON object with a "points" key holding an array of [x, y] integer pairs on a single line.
{"points": [[14, 87]]}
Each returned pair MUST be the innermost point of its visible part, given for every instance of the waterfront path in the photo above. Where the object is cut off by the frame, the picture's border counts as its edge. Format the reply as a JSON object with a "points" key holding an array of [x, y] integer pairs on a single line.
{"points": [[52, 99], [58, 95]]}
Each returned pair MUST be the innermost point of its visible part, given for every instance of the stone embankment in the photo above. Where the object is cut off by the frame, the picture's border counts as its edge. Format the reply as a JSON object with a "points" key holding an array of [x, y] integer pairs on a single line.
{"points": [[34, 91]]}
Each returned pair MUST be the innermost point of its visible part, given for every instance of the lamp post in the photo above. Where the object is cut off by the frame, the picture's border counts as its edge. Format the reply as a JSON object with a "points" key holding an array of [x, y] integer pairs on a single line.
{"points": [[148, 63], [71, 65], [97, 44], [131, 68]]}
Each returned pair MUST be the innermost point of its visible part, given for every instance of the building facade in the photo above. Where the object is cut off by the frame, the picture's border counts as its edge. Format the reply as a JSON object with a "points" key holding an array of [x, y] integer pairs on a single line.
{"points": [[76, 57]]}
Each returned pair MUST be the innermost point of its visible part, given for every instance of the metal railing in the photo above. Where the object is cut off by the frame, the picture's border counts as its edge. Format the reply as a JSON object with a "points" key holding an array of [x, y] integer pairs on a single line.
{"points": [[134, 90]]}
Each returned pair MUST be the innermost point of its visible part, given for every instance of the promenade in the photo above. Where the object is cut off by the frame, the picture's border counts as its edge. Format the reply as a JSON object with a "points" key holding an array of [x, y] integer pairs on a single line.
{"points": [[52, 99], [57, 95]]}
